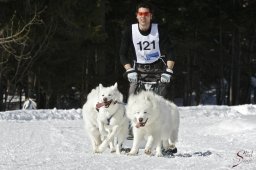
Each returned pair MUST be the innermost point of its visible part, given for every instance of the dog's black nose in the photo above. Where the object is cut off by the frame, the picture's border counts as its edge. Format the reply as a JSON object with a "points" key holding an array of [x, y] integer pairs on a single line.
{"points": [[140, 119], [105, 99]]}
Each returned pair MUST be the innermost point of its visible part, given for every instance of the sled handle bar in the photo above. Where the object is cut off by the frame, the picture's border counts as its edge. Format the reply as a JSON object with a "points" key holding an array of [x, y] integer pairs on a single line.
{"points": [[140, 72], [149, 82]]}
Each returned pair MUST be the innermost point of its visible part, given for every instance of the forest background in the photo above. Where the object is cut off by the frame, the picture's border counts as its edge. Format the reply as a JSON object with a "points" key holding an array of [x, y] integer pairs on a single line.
{"points": [[57, 51]]}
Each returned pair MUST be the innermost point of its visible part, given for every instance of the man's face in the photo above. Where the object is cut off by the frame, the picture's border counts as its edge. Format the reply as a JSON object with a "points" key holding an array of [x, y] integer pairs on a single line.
{"points": [[144, 17]]}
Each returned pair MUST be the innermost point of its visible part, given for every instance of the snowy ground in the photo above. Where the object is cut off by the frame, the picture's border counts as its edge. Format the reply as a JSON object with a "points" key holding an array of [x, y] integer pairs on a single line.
{"points": [[211, 137]]}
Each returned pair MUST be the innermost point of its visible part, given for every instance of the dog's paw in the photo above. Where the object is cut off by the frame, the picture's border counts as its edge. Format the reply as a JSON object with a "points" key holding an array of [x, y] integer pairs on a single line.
{"points": [[133, 153], [159, 154], [113, 150], [99, 149], [95, 150], [118, 152], [148, 151]]}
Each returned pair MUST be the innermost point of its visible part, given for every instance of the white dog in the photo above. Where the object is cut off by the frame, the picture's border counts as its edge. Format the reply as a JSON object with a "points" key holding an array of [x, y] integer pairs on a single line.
{"points": [[29, 104], [154, 118], [104, 116]]}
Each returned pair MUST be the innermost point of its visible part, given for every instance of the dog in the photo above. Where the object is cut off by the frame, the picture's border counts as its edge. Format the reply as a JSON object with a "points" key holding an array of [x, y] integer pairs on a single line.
{"points": [[105, 118], [154, 118], [29, 104]]}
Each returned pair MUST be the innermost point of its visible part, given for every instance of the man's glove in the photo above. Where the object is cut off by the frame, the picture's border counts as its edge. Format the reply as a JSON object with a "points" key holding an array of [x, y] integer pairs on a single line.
{"points": [[166, 76], [132, 75]]}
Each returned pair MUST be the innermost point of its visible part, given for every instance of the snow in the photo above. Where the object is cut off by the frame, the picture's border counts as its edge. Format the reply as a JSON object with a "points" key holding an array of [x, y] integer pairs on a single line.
{"points": [[211, 137]]}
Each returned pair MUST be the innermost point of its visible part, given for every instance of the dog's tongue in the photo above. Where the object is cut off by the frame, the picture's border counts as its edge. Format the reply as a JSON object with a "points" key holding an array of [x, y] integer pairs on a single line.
{"points": [[137, 125], [99, 105]]}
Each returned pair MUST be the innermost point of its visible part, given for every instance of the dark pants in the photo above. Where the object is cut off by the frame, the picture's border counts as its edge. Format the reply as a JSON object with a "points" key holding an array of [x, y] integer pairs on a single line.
{"points": [[162, 89], [156, 67]]}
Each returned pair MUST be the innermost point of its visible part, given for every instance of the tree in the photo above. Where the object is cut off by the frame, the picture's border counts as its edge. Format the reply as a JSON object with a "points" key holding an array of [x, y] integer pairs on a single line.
{"points": [[19, 49]]}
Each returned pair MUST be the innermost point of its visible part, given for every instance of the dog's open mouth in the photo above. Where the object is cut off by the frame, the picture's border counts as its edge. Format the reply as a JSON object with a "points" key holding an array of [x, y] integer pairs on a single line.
{"points": [[141, 124], [106, 104]]}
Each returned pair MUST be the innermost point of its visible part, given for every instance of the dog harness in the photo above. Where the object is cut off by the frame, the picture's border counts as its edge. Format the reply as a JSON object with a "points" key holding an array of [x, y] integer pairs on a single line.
{"points": [[99, 105]]}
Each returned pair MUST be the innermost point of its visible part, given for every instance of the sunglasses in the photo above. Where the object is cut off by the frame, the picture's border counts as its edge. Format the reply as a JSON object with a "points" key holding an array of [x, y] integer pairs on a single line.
{"points": [[145, 14]]}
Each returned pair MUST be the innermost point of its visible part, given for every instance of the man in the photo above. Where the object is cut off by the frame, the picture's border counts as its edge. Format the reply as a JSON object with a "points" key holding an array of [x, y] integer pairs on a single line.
{"points": [[149, 43]]}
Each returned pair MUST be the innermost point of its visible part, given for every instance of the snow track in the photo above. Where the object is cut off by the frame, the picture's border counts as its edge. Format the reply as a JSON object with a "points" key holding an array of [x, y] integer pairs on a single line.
{"points": [[210, 137]]}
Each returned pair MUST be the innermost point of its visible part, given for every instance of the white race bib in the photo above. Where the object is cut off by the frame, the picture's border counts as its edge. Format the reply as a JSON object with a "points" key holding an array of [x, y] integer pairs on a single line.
{"points": [[146, 47]]}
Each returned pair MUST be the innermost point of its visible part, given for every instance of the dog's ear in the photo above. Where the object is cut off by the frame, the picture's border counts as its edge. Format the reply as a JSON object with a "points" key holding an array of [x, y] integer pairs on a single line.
{"points": [[115, 85], [100, 86], [120, 97], [147, 97]]}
